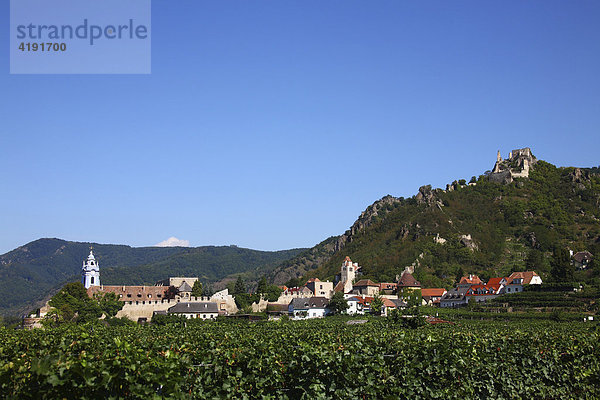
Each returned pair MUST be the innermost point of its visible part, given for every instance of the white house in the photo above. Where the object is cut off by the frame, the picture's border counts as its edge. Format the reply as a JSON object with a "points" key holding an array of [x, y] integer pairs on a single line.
{"points": [[517, 280], [455, 297], [202, 310], [313, 307]]}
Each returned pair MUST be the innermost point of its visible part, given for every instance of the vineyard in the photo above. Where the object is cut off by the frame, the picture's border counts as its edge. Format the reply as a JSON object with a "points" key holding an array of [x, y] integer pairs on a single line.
{"points": [[303, 359]]}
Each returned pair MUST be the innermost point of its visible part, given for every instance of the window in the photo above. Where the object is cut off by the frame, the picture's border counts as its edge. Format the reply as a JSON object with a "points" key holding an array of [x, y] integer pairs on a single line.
{"points": [[128, 294], [92, 281], [149, 296], [139, 295]]}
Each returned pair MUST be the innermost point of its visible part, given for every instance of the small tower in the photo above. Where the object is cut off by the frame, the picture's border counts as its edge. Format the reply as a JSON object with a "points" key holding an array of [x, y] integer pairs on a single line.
{"points": [[90, 273], [498, 157], [348, 273]]}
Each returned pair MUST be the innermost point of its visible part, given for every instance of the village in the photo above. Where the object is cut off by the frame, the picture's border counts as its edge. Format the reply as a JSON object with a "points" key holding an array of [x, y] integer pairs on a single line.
{"points": [[174, 295]]}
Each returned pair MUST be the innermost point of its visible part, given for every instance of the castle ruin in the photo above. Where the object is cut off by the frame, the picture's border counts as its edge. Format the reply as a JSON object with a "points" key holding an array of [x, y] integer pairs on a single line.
{"points": [[517, 165]]}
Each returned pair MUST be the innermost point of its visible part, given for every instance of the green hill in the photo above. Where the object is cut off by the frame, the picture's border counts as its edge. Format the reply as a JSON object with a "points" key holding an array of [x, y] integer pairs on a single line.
{"points": [[31, 273], [492, 226]]}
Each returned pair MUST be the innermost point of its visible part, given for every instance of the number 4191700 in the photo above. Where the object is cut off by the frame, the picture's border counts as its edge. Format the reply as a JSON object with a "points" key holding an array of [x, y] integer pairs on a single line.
{"points": [[43, 46]]}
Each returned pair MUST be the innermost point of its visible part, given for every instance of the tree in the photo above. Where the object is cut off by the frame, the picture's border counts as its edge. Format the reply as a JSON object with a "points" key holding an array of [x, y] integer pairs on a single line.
{"points": [[377, 305], [459, 274], [338, 303], [534, 260], [197, 289], [562, 268], [72, 304], [414, 298], [243, 300], [262, 286], [208, 290], [239, 287], [108, 303], [293, 282], [273, 292]]}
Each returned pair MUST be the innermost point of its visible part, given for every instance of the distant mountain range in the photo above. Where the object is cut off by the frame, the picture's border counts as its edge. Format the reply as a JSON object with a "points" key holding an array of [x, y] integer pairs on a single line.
{"points": [[507, 219], [31, 273]]}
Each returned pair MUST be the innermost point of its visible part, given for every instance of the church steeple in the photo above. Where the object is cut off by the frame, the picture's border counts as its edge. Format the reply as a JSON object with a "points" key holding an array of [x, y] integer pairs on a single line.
{"points": [[90, 272]]}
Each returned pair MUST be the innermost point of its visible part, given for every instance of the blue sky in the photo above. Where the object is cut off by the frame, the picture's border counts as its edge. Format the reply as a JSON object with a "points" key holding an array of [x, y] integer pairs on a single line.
{"points": [[273, 124]]}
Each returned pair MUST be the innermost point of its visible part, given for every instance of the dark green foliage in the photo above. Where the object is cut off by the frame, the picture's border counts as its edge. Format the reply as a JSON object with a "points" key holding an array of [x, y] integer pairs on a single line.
{"points": [[562, 268], [239, 286], [268, 292], [413, 298], [31, 273], [72, 304], [324, 359], [262, 285], [109, 304], [197, 289], [167, 319], [376, 305], [338, 303], [294, 282], [272, 293]]}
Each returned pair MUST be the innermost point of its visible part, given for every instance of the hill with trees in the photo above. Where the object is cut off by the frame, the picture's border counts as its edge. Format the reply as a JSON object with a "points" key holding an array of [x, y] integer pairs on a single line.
{"points": [[488, 227], [31, 273]]}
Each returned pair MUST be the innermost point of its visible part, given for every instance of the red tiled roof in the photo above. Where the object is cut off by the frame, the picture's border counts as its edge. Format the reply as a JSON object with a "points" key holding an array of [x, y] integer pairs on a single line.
{"points": [[495, 281], [388, 303], [365, 301], [313, 280], [339, 287], [487, 290], [471, 280], [527, 276], [131, 293], [408, 280], [365, 282], [387, 286], [433, 292]]}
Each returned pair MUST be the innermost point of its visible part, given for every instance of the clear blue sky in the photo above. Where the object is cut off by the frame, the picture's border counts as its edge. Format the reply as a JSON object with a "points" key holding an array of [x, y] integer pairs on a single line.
{"points": [[272, 124]]}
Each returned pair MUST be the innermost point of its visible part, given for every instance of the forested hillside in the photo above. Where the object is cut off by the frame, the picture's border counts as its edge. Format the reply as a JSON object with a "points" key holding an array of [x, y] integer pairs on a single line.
{"points": [[32, 272]]}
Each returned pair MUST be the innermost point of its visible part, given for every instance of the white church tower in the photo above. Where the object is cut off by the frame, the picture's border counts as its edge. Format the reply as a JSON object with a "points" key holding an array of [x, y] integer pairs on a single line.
{"points": [[348, 273], [90, 273]]}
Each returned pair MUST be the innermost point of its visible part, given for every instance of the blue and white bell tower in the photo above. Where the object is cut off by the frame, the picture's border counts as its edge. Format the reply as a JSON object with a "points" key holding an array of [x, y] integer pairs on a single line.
{"points": [[90, 273]]}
